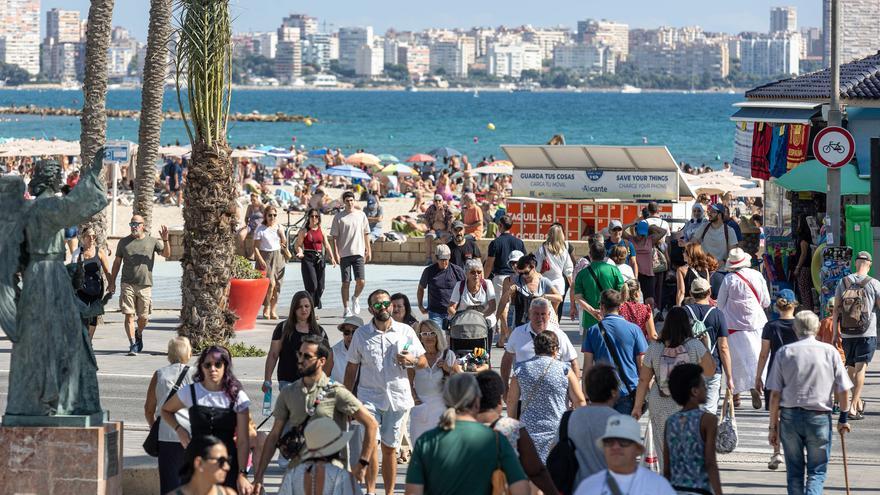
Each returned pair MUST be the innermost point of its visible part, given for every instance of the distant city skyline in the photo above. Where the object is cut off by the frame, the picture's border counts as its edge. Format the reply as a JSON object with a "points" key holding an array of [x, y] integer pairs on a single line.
{"points": [[265, 15]]}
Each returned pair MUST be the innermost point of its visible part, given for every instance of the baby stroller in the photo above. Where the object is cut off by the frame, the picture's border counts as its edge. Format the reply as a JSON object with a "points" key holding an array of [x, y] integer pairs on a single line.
{"points": [[468, 330]]}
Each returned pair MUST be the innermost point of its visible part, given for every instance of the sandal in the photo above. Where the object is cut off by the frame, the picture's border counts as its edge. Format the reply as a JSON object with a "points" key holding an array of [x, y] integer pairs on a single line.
{"points": [[856, 416], [861, 410], [756, 399], [736, 401]]}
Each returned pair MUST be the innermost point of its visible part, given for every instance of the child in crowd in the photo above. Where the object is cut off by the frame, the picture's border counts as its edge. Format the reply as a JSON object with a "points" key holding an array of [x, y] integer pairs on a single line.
{"points": [[689, 452]]}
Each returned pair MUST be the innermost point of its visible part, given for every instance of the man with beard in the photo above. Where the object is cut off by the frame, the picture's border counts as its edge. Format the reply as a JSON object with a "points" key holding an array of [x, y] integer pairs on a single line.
{"points": [[717, 237], [382, 351], [462, 248], [316, 395]]}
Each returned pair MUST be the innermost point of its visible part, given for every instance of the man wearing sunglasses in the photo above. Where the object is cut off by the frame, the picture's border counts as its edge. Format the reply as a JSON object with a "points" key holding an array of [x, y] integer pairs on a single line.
{"points": [[135, 255], [383, 351], [350, 246]]}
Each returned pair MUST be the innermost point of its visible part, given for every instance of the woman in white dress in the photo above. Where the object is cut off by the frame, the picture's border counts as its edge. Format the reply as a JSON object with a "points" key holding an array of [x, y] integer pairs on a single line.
{"points": [[427, 383]]}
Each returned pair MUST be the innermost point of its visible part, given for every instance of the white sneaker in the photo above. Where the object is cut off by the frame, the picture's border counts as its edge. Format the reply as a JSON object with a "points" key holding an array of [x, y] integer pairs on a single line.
{"points": [[775, 461], [347, 313], [356, 306]]}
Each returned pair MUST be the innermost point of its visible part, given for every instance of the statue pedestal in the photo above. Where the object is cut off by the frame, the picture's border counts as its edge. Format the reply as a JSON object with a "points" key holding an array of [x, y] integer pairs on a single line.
{"points": [[61, 460]]}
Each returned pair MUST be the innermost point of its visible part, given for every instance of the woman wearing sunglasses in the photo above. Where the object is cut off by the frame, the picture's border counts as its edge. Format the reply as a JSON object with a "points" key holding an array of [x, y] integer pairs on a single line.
{"points": [[286, 339], [270, 245], [217, 406], [206, 465], [310, 250], [427, 383]]}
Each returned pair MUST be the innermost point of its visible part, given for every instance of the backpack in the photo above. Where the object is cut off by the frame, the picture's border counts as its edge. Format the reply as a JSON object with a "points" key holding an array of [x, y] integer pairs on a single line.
{"points": [[669, 359], [91, 284], [855, 313], [726, 238], [699, 329], [562, 462], [463, 286]]}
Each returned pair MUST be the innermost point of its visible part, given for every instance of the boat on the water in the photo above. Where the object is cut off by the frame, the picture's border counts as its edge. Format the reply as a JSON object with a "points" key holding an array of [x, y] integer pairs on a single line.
{"points": [[629, 89]]}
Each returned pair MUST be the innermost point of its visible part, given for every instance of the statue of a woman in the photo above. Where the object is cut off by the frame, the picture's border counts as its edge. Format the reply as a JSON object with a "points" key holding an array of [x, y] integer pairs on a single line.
{"points": [[53, 369]]}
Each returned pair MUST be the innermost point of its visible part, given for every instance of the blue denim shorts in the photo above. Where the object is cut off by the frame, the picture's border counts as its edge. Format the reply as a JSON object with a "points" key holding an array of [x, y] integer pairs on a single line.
{"points": [[859, 349], [390, 425]]}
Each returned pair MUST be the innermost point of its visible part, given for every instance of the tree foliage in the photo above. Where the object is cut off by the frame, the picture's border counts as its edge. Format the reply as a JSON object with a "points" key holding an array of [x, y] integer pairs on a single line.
{"points": [[13, 74]]}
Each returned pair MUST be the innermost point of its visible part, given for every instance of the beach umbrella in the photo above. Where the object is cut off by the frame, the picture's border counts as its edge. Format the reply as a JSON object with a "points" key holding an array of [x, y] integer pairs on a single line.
{"points": [[398, 168], [174, 150], [362, 159], [347, 171], [420, 157], [810, 176], [499, 169], [385, 157], [444, 152], [249, 153], [319, 152], [502, 162]]}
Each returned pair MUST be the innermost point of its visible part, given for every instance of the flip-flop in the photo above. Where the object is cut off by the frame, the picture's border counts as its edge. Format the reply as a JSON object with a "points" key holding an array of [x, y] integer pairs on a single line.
{"points": [[856, 416], [756, 399], [861, 410]]}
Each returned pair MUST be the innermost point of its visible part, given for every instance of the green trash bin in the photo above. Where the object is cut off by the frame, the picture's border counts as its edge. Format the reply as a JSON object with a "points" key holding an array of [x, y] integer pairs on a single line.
{"points": [[858, 229]]}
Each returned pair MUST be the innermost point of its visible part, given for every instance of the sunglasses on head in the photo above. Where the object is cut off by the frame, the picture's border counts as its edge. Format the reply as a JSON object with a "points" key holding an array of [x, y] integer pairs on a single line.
{"points": [[381, 305], [213, 364], [221, 461]]}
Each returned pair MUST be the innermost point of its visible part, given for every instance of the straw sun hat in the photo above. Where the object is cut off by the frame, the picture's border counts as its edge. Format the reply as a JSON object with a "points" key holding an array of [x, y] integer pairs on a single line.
{"points": [[738, 259], [324, 438]]}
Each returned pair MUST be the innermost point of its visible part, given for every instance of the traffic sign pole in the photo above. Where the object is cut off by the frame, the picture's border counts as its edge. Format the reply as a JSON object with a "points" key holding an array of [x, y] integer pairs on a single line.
{"points": [[832, 196]]}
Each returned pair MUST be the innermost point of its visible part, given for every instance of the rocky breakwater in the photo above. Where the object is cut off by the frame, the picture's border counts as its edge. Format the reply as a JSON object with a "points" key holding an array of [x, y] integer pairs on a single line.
{"points": [[134, 114]]}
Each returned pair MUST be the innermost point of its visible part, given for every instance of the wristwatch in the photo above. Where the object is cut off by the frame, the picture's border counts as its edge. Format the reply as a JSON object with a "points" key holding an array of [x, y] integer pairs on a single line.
{"points": [[243, 472], [363, 462]]}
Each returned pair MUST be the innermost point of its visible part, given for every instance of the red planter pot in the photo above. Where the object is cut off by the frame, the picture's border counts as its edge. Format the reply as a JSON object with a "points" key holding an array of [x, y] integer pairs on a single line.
{"points": [[246, 297]]}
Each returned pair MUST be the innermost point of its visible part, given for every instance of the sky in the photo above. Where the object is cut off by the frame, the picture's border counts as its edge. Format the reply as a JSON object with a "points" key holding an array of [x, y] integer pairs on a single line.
{"points": [[265, 15]]}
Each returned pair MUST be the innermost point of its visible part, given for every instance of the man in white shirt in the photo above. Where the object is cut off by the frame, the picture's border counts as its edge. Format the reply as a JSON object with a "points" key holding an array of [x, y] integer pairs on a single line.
{"points": [[716, 237], [350, 247], [622, 444], [520, 346], [382, 351], [656, 220]]}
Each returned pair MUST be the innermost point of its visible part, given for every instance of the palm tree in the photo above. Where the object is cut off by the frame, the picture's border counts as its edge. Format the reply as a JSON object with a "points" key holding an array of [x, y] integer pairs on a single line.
{"points": [[93, 127], [204, 65], [152, 92]]}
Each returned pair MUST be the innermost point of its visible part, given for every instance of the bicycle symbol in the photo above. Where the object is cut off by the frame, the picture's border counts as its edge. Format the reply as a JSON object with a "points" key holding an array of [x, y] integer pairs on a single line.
{"points": [[833, 145]]}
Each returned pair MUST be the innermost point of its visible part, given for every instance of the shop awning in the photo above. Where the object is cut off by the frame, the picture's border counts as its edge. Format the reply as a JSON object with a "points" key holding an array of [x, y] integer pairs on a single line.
{"points": [[776, 112], [812, 176]]}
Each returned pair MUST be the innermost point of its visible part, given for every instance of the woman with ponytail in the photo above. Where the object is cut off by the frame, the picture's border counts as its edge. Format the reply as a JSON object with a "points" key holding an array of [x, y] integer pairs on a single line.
{"points": [[454, 457]]}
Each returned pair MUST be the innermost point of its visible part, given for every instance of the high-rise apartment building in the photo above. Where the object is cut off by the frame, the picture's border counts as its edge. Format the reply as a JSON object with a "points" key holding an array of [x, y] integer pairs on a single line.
{"points": [[859, 29], [63, 26], [306, 24], [350, 39], [61, 52], [370, 60], [122, 52], [20, 34], [811, 37], [547, 39], [694, 60], [417, 58], [288, 54], [783, 20], [317, 50], [510, 60], [614, 35], [584, 58], [773, 55], [450, 57]]}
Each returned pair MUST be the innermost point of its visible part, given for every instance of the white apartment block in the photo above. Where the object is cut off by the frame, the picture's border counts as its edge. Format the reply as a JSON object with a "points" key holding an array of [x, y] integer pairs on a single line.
{"points": [[417, 58], [783, 20], [859, 29], [614, 35], [288, 54], [20, 34], [370, 61], [63, 26], [120, 54], [769, 56], [450, 57], [265, 44], [583, 58], [685, 59], [306, 24], [509, 60], [547, 39], [317, 50], [390, 48], [350, 40]]}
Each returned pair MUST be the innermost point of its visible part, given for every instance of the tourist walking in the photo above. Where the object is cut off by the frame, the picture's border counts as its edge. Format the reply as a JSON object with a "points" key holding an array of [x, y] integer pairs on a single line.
{"points": [[622, 445], [696, 223], [380, 354], [427, 383], [520, 289], [704, 314], [374, 213], [497, 263], [804, 376], [253, 217], [540, 391], [311, 249], [675, 346], [636, 312], [618, 257], [217, 406], [855, 324], [270, 246], [591, 281], [474, 292], [286, 340], [742, 298], [646, 239], [340, 349], [460, 455], [520, 347], [803, 254], [94, 266], [166, 381], [206, 465], [697, 264], [320, 472], [135, 255], [438, 219], [716, 237], [350, 247], [313, 396], [776, 334], [462, 247], [472, 216], [491, 407], [587, 424], [689, 458], [401, 310], [615, 239], [438, 279], [554, 262], [619, 343]]}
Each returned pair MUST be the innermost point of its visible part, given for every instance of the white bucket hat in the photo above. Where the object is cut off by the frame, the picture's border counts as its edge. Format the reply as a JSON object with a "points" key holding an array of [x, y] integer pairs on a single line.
{"points": [[324, 438], [621, 426], [738, 259]]}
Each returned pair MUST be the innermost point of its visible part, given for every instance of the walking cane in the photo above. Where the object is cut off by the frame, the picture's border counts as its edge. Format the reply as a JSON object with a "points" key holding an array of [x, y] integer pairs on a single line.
{"points": [[845, 469]]}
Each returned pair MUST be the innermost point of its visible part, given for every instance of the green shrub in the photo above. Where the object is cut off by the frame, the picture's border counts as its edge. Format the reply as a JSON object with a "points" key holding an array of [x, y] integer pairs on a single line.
{"points": [[240, 349], [243, 268]]}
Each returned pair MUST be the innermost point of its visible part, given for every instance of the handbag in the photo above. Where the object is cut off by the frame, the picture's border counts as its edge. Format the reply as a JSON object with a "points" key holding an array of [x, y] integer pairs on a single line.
{"points": [[562, 462], [727, 438], [545, 263], [151, 444], [499, 478], [658, 260]]}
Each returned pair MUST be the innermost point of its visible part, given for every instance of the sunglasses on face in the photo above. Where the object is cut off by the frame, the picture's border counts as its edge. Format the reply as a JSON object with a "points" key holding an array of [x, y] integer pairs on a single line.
{"points": [[622, 442], [314, 216], [378, 306], [347, 333], [476, 272], [221, 461], [427, 334], [135, 224], [213, 364], [304, 356], [271, 215]]}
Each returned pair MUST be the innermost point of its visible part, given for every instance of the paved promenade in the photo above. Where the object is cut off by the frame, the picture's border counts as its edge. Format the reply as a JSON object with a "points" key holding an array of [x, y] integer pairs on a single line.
{"points": [[124, 381]]}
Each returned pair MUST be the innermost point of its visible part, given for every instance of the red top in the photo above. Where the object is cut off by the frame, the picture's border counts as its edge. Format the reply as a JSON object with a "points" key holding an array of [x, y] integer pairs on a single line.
{"points": [[636, 313], [314, 241]]}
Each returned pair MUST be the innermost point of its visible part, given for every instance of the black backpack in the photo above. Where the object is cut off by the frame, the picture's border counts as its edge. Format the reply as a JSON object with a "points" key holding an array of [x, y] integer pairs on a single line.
{"points": [[562, 461], [92, 284]]}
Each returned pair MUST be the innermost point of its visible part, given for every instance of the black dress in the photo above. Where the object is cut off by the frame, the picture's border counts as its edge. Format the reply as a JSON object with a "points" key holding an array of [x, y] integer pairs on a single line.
{"points": [[219, 422]]}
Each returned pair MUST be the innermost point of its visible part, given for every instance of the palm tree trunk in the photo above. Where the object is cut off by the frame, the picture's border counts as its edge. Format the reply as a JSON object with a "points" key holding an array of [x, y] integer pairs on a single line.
{"points": [[93, 127], [152, 93]]}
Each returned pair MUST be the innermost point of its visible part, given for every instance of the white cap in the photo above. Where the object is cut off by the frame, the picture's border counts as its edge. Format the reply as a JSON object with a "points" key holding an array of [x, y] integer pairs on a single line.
{"points": [[514, 256], [621, 426]]}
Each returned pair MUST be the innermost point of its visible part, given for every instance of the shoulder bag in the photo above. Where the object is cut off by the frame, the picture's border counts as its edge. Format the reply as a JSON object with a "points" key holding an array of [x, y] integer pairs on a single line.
{"points": [[727, 438], [151, 444], [562, 461], [630, 388], [499, 478]]}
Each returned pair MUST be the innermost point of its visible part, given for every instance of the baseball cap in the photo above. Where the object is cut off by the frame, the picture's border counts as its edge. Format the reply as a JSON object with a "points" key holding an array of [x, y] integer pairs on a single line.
{"points": [[642, 228], [514, 256], [355, 321], [623, 427], [718, 207], [371, 200], [438, 197], [615, 224], [442, 252], [700, 285], [787, 294], [864, 255], [458, 224]]}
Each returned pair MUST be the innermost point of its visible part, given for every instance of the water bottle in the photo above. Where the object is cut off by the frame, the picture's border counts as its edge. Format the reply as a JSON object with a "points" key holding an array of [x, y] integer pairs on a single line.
{"points": [[267, 403]]}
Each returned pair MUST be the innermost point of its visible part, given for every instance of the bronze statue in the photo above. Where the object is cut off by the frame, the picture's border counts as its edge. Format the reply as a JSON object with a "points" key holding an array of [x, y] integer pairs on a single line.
{"points": [[53, 370]]}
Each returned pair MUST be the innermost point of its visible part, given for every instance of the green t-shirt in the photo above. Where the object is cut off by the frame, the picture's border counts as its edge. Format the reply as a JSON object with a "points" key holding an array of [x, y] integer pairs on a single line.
{"points": [[461, 460], [585, 284], [137, 259]]}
